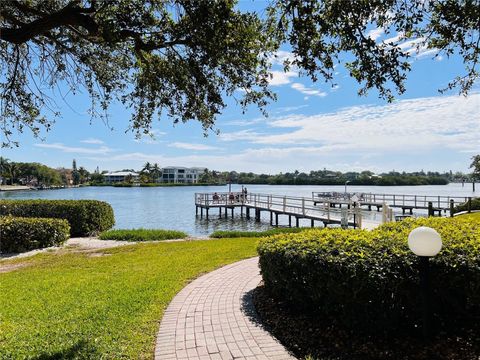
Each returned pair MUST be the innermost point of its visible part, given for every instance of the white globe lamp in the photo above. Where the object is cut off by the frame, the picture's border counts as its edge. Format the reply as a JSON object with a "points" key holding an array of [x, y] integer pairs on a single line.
{"points": [[424, 241]]}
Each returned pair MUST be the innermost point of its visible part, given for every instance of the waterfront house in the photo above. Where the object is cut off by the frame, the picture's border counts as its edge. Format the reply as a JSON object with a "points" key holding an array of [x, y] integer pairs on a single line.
{"points": [[182, 175], [121, 176]]}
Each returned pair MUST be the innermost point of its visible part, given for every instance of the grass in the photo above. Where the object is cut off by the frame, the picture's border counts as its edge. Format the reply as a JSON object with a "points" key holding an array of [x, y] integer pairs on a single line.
{"points": [[75, 305], [254, 234], [142, 235]]}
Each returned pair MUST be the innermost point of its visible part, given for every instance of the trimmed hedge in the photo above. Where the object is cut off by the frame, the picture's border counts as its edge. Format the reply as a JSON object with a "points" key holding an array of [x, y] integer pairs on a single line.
{"points": [[368, 281], [86, 217], [19, 234], [464, 207], [142, 234]]}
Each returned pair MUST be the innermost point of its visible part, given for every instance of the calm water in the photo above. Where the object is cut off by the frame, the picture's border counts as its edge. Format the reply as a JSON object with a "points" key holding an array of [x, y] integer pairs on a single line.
{"points": [[174, 207]]}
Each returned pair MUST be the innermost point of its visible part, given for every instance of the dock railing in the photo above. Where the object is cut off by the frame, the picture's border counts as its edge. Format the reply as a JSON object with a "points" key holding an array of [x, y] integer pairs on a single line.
{"points": [[394, 200], [288, 205]]}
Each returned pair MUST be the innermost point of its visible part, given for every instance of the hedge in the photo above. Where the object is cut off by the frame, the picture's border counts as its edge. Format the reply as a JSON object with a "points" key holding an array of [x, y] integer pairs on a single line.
{"points": [[19, 234], [86, 217], [475, 205], [368, 281], [142, 235]]}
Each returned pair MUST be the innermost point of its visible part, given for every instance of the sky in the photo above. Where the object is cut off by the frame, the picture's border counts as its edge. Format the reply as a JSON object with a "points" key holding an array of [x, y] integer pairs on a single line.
{"points": [[311, 126]]}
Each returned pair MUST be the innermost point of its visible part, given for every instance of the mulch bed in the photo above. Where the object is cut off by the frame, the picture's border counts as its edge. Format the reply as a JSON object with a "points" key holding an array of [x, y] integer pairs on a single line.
{"points": [[307, 336]]}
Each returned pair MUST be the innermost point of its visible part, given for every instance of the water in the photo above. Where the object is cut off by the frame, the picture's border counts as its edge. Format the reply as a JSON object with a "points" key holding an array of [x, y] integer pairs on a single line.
{"points": [[174, 207]]}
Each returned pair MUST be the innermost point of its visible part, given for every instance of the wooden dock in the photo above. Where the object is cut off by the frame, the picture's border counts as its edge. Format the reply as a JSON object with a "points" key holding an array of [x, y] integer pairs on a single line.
{"points": [[295, 208], [408, 203]]}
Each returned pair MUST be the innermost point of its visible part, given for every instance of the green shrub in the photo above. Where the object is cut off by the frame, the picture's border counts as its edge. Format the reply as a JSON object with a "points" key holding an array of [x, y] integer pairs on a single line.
{"points": [[86, 217], [475, 205], [142, 235], [220, 234], [368, 281], [19, 234]]}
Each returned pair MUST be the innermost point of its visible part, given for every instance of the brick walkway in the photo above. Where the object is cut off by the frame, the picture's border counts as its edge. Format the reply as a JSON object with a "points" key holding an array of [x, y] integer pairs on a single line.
{"points": [[213, 318]]}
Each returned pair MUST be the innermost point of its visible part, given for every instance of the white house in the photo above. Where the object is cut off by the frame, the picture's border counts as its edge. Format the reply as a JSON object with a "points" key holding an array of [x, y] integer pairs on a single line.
{"points": [[177, 174], [120, 176]]}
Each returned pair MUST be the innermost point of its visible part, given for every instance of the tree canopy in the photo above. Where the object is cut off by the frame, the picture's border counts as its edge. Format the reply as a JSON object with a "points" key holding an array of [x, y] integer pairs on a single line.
{"points": [[184, 58]]}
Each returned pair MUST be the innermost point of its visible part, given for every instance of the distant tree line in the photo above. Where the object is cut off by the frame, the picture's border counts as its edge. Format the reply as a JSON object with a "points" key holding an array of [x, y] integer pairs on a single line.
{"points": [[329, 177]]}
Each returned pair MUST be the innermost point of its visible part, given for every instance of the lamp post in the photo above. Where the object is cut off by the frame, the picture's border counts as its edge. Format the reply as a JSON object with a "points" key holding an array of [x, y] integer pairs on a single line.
{"points": [[425, 242], [346, 182]]}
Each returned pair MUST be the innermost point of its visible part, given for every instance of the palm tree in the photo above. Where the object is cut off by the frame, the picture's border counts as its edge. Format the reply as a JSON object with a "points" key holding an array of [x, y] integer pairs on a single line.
{"points": [[147, 172], [12, 171], [3, 168], [156, 171]]}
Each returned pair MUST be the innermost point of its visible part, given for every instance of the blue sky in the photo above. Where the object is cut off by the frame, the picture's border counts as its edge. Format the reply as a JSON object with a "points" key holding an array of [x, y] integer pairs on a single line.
{"points": [[311, 126]]}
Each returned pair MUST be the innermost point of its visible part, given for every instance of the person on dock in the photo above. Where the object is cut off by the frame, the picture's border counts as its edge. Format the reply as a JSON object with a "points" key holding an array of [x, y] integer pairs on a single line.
{"points": [[231, 197], [245, 193], [215, 198]]}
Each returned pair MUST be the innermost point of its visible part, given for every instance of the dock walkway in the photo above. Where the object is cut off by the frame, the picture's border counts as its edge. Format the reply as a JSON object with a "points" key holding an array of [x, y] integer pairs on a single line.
{"points": [[407, 203], [296, 208]]}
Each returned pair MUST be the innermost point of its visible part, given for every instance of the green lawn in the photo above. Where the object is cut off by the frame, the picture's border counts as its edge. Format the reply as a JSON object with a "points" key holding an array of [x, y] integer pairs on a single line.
{"points": [[75, 305]]}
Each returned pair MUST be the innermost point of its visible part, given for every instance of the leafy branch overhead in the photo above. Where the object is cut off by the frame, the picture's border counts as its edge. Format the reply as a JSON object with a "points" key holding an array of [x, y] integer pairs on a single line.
{"points": [[184, 58], [325, 33], [181, 58]]}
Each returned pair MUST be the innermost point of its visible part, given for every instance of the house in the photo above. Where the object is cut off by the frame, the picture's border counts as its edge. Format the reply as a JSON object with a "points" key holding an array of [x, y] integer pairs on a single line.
{"points": [[183, 175], [121, 176]]}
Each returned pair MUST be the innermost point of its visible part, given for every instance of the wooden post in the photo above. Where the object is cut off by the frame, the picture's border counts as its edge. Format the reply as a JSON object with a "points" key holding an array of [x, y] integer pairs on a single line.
{"points": [[271, 218], [196, 210], [276, 219], [451, 207], [220, 211], [201, 213], [207, 212], [233, 208], [473, 185], [312, 223], [297, 222], [303, 206], [469, 205], [284, 203], [290, 220], [430, 209], [241, 211], [226, 212], [248, 212]]}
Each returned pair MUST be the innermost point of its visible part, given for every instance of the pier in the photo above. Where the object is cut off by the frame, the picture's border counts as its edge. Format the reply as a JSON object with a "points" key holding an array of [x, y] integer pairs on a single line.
{"points": [[295, 208], [408, 203]]}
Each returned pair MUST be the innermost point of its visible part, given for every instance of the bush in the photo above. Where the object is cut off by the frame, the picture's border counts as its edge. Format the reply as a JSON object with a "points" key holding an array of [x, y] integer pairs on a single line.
{"points": [[367, 281], [221, 234], [142, 235], [18, 234], [86, 217], [464, 207]]}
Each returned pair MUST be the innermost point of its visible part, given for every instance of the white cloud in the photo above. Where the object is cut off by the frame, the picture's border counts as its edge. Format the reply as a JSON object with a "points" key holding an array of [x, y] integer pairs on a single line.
{"points": [[406, 125], [308, 91], [190, 146], [151, 138], [281, 77], [242, 135], [92, 141], [102, 150], [280, 56], [374, 34]]}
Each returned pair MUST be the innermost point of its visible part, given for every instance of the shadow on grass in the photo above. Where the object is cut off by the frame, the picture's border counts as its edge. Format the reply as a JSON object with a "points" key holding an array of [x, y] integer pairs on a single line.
{"points": [[81, 350]]}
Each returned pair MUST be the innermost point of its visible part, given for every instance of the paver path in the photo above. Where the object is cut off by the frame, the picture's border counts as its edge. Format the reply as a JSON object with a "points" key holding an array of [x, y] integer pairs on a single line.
{"points": [[213, 318]]}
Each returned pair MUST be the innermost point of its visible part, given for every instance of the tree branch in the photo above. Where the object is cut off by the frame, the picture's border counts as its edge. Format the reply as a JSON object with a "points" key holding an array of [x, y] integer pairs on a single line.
{"points": [[69, 15]]}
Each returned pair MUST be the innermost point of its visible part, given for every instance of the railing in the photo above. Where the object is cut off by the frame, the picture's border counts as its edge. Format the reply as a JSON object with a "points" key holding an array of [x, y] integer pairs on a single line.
{"points": [[394, 200], [289, 205]]}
